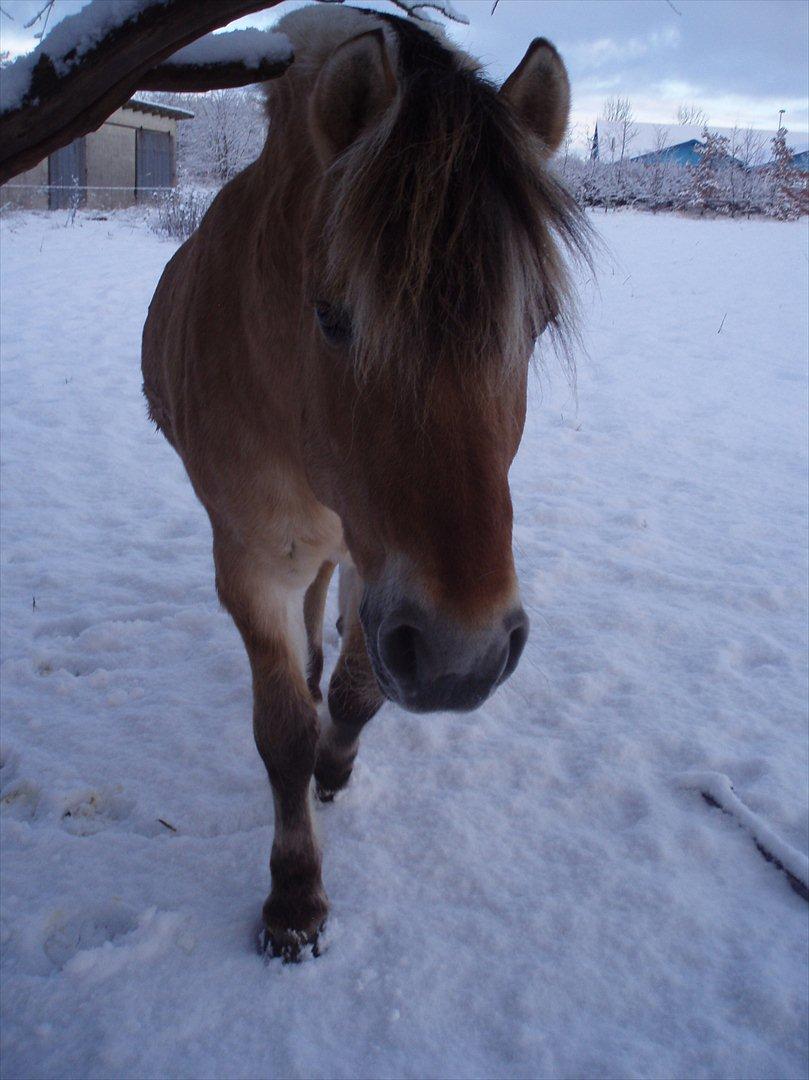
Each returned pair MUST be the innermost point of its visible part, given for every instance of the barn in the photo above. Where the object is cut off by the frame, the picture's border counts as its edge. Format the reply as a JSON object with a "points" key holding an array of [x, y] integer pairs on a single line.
{"points": [[128, 159]]}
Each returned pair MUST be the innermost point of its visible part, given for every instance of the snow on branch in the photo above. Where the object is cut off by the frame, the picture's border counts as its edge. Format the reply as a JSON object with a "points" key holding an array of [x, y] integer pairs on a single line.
{"points": [[717, 791], [92, 62], [65, 46], [443, 7], [249, 47], [221, 61]]}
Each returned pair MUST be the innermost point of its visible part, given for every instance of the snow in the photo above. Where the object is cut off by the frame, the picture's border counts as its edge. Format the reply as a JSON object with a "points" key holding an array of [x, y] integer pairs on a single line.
{"points": [[250, 47], [421, 9], [525, 891], [73, 36]]}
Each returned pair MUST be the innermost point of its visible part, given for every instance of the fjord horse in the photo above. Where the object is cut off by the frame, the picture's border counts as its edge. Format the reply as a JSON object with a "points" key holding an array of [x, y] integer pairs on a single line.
{"points": [[339, 355]]}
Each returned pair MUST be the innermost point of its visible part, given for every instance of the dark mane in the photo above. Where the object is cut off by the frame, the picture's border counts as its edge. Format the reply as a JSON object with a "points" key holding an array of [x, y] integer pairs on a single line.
{"points": [[443, 234]]}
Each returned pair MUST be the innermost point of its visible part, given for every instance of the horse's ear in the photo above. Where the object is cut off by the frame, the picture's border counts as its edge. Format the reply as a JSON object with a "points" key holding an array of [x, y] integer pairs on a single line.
{"points": [[539, 90], [355, 86]]}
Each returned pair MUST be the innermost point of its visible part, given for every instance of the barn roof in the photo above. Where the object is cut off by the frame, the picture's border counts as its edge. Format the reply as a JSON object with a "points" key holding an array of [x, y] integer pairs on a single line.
{"points": [[139, 105]]}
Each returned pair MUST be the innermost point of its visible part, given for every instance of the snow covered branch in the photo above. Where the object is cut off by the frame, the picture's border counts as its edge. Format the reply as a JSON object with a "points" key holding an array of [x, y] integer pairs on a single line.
{"points": [[92, 62], [718, 792], [443, 7], [222, 61]]}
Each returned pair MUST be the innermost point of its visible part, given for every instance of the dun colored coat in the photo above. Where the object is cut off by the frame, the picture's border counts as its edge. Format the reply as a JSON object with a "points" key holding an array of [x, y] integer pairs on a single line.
{"points": [[339, 355]]}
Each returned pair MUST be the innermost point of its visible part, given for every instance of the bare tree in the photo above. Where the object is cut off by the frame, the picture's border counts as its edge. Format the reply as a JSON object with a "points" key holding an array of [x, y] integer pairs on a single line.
{"points": [[227, 132], [751, 152], [618, 111], [691, 115], [567, 143], [658, 169]]}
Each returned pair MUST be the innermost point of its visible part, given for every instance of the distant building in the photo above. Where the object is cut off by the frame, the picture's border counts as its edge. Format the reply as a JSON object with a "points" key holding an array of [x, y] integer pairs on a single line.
{"points": [[130, 157], [685, 153], [680, 144]]}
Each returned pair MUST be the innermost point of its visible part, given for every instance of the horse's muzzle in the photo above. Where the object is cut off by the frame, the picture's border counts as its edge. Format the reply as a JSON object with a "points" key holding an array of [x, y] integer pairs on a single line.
{"points": [[427, 663]]}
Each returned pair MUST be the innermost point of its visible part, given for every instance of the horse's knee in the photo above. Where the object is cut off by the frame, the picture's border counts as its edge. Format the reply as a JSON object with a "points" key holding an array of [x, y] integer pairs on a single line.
{"points": [[354, 694]]}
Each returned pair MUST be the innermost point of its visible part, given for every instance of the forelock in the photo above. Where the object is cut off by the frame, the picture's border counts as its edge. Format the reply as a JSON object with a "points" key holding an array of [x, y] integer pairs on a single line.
{"points": [[446, 234]]}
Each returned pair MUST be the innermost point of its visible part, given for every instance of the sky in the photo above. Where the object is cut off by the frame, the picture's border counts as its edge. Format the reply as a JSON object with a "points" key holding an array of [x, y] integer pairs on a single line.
{"points": [[740, 60]]}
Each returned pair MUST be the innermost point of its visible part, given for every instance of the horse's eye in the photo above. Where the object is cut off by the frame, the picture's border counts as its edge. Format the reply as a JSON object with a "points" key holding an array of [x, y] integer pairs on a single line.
{"points": [[334, 324]]}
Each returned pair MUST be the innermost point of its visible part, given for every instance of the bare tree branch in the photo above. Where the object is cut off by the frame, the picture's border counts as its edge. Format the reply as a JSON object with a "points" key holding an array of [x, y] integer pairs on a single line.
{"points": [[44, 10]]}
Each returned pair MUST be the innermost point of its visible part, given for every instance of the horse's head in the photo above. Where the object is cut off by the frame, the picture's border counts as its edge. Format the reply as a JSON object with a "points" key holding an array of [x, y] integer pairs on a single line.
{"points": [[433, 267]]}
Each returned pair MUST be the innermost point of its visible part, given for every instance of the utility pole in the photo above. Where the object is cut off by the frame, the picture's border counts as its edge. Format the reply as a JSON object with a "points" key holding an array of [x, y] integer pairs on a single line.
{"points": [[780, 114]]}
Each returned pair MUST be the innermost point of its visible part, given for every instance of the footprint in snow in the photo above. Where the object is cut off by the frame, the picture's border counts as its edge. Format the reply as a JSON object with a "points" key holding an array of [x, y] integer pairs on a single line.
{"points": [[9, 765], [634, 807], [754, 653], [79, 668], [67, 935], [21, 800], [75, 626], [96, 810]]}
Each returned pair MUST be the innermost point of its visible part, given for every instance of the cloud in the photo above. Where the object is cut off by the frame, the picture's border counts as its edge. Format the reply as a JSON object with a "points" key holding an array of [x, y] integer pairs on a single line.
{"points": [[740, 61], [606, 51]]}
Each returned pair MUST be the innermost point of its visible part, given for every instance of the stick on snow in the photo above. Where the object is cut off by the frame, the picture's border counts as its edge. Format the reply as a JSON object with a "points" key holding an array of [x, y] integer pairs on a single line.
{"points": [[717, 790]]}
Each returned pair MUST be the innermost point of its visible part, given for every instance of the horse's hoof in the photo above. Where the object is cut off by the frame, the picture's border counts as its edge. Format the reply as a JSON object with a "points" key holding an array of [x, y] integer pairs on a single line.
{"points": [[326, 787], [290, 946]]}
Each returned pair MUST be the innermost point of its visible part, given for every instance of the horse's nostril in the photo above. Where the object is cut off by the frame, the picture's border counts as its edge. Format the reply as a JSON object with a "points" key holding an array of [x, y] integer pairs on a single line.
{"points": [[397, 648], [516, 644], [429, 663]]}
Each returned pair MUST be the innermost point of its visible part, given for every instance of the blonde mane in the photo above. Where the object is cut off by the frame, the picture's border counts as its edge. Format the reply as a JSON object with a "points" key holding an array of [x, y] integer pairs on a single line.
{"points": [[446, 230]]}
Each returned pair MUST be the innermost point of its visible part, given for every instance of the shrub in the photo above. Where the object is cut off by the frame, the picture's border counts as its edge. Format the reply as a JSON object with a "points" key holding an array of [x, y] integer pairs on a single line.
{"points": [[177, 213]]}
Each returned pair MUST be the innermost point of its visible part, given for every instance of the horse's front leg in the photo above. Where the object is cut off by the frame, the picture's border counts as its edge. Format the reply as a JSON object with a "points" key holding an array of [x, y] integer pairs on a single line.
{"points": [[285, 727], [354, 695]]}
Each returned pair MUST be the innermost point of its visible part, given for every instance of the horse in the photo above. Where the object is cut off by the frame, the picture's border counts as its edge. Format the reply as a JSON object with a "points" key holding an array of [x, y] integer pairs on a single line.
{"points": [[339, 355]]}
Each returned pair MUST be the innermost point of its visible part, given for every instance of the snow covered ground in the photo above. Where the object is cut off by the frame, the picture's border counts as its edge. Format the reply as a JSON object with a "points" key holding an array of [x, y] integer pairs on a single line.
{"points": [[531, 890]]}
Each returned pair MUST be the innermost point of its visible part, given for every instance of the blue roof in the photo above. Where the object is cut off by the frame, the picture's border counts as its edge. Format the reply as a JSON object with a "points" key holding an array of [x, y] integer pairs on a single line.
{"points": [[685, 153]]}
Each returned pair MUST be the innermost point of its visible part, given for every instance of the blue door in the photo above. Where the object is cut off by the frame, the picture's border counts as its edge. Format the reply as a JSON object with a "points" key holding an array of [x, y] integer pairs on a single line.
{"points": [[67, 176], [155, 167]]}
